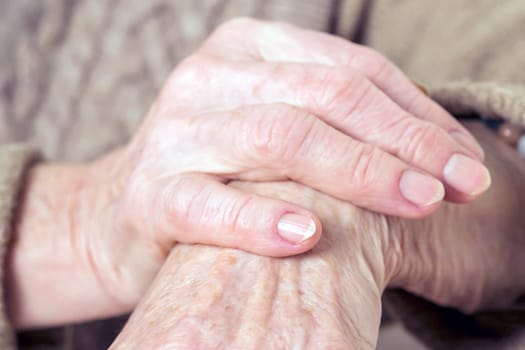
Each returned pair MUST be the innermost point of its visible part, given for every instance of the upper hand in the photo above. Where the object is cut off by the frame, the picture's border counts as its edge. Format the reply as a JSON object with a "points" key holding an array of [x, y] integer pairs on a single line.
{"points": [[279, 103]]}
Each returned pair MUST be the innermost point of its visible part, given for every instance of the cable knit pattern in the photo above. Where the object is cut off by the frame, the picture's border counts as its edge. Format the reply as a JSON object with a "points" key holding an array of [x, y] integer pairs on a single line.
{"points": [[486, 99], [94, 67]]}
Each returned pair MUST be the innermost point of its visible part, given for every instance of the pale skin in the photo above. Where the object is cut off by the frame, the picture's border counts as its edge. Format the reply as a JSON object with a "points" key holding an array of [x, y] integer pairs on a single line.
{"points": [[329, 298], [333, 116]]}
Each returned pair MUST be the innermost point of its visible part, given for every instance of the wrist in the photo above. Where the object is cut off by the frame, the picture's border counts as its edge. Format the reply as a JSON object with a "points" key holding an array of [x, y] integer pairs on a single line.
{"points": [[49, 265], [40, 249]]}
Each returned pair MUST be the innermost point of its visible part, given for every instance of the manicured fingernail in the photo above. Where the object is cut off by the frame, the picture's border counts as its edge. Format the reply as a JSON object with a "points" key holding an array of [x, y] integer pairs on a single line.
{"points": [[296, 228], [469, 143], [421, 189], [466, 175]]}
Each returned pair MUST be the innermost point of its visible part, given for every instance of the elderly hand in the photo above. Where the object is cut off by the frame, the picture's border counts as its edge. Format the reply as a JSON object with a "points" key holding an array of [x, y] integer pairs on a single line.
{"points": [[328, 298], [258, 102], [277, 103], [468, 257]]}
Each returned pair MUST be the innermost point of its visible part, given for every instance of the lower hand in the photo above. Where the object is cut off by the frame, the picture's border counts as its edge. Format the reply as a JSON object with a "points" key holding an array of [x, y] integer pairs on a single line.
{"points": [[212, 298], [468, 257]]}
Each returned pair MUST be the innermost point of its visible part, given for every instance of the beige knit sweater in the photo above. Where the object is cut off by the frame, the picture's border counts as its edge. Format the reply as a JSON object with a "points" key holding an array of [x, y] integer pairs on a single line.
{"points": [[70, 66]]}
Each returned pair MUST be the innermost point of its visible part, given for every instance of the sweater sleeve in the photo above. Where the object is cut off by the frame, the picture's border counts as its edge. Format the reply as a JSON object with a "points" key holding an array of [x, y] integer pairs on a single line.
{"points": [[445, 328], [15, 160]]}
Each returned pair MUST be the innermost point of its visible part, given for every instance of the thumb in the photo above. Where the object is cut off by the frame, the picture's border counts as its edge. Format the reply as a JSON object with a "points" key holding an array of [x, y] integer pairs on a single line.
{"points": [[203, 210]]}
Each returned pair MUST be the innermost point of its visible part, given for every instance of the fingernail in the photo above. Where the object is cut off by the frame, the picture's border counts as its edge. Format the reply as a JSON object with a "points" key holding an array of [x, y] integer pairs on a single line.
{"points": [[296, 228], [466, 175], [469, 143], [420, 189]]}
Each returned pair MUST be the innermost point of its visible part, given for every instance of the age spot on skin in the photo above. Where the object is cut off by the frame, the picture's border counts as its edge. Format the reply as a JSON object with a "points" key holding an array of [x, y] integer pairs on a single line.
{"points": [[230, 259], [226, 259]]}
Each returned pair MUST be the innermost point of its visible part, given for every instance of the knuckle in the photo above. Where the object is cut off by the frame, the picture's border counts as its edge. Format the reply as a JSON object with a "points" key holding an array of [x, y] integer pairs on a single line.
{"points": [[364, 168], [372, 63], [183, 203], [235, 215], [378, 66], [419, 140], [196, 66], [241, 22], [189, 75], [192, 76], [416, 101], [281, 135], [234, 27], [344, 93]]}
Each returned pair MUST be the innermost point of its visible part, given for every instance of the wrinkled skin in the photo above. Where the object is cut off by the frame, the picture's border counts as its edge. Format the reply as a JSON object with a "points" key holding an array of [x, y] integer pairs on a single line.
{"points": [[260, 102], [329, 298], [469, 257]]}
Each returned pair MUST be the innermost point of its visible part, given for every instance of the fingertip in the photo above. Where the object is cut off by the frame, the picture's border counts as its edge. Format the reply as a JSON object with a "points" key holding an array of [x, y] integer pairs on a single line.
{"points": [[467, 175], [421, 189]]}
